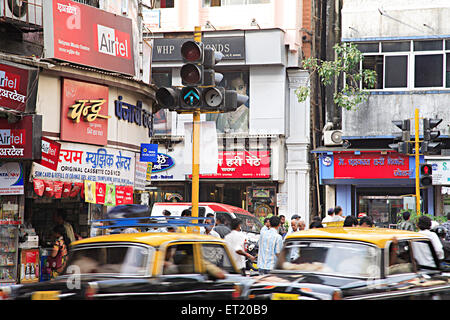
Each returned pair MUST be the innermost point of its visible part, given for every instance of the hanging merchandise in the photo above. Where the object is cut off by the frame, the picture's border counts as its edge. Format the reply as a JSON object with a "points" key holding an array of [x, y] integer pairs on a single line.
{"points": [[49, 190], [39, 187], [110, 199], [100, 189], [76, 188], [58, 189], [67, 187], [89, 191]]}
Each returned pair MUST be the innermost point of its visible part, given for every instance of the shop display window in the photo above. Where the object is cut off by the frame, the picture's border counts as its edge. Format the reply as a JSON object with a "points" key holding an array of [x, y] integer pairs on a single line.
{"points": [[11, 209], [261, 201]]}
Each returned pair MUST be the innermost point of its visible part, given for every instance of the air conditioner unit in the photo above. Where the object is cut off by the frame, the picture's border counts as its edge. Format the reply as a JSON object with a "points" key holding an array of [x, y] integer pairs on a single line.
{"points": [[332, 137], [28, 12]]}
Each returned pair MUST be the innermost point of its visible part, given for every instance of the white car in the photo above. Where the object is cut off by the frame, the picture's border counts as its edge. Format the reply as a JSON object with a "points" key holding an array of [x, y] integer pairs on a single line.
{"points": [[251, 226]]}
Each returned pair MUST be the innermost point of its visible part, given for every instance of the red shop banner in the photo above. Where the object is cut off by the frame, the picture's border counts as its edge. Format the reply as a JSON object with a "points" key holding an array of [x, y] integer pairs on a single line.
{"points": [[242, 164], [124, 195], [84, 112], [21, 139], [17, 92], [89, 36], [371, 166], [50, 153]]}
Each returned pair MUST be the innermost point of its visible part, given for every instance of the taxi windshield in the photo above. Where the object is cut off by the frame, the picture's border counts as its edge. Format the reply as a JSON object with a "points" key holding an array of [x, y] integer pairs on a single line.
{"points": [[124, 259], [338, 258]]}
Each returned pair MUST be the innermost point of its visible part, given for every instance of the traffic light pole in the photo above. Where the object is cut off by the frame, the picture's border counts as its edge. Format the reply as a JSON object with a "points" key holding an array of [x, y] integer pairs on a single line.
{"points": [[196, 147], [417, 156]]}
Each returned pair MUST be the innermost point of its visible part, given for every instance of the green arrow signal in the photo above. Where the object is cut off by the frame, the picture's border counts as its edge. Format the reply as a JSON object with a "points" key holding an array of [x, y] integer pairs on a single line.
{"points": [[191, 98]]}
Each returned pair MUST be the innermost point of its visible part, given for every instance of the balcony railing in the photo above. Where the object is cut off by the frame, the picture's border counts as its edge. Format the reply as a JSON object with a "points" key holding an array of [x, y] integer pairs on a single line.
{"points": [[25, 14]]}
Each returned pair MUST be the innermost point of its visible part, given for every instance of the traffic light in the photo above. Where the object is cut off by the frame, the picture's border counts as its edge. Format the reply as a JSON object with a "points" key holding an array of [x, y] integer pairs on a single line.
{"points": [[426, 172], [199, 62], [403, 144], [429, 145], [233, 100], [405, 126], [191, 98], [168, 98]]}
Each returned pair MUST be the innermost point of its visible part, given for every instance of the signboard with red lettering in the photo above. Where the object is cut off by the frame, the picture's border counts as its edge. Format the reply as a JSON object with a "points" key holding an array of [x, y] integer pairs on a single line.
{"points": [[17, 92], [89, 36], [84, 112], [242, 165], [371, 166], [50, 153], [21, 140]]}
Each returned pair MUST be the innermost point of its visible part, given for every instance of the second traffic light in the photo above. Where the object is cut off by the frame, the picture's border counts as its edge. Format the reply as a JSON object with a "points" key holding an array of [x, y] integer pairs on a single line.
{"points": [[199, 63], [426, 172]]}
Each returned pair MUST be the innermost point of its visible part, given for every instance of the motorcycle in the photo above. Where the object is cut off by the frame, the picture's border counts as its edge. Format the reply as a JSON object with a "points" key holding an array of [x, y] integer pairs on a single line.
{"points": [[251, 247]]}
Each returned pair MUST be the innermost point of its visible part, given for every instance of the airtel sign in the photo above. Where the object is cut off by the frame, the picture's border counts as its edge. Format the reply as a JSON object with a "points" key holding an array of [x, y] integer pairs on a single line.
{"points": [[85, 35]]}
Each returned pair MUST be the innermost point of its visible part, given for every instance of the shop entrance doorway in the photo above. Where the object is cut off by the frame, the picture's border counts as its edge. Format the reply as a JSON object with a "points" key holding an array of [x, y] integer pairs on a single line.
{"points": [[384, 210]]}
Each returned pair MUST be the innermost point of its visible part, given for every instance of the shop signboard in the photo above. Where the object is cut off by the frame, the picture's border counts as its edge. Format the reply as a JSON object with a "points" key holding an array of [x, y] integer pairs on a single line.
{"points": [[18, 87], [242, 165], [373, 165], [140, 175], [11, 178], [441, 171], [21, 140], [149, 152], [232, 48], [50, 153], [85, 35], [84, 112], [79, 162]]}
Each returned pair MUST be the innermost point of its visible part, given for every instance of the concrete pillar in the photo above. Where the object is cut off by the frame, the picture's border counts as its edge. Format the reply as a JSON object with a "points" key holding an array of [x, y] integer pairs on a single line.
{"points": [[297, 147]]}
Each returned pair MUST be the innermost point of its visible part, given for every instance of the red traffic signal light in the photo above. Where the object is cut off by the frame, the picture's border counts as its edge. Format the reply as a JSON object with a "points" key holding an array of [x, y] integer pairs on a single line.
{"points": [[426, 171], [192, 51], [191, 74]]}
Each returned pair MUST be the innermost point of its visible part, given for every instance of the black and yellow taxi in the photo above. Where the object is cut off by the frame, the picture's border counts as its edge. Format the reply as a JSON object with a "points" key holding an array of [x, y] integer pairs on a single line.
{"points": [[143, 265], [354, 263]]}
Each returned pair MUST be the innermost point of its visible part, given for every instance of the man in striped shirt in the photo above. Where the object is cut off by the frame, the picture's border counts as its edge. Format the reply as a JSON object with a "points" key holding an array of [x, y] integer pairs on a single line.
{"points": [[270, 244]]}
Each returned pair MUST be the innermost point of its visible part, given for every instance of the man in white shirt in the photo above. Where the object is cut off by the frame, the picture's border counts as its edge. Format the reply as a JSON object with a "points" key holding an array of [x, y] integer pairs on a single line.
{"points": [[329, 217], [425, 258], [208, 229], [235, 241], [338, 214]]}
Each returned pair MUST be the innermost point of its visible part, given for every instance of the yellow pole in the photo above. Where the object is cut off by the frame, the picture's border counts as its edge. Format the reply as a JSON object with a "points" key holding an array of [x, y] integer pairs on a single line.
{"points": [[416, 145], [195, 163], [196, 149]]}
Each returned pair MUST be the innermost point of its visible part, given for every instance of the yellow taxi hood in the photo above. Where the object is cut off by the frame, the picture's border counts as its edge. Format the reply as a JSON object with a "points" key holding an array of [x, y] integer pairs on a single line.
{"points": [[150, 238], [376, 236]]}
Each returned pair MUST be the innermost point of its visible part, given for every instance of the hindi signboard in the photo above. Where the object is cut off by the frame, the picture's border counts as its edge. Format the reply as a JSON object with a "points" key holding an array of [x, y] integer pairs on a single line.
{"points": [[85, 35], [85, 162]]}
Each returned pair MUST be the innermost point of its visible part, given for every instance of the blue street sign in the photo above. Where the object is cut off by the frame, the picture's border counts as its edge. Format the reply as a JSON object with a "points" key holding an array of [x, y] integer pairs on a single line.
{"points": [[149, 152]]}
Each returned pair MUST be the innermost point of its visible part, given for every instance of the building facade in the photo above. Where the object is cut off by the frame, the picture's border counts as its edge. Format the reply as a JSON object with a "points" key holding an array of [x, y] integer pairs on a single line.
{"points": [[74, 109], [263, 145], [407, 45]]}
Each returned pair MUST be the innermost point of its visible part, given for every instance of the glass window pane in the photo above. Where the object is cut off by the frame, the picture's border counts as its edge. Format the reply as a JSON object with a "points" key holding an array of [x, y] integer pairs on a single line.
{"points": [[428, 71], [164, 4], [374, 63], [162, 79], [447, 70], [428, 45], [396, 72], [395, 46], [447, 44], [367, 47], [216, 254]]}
